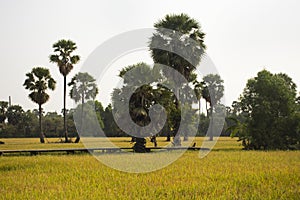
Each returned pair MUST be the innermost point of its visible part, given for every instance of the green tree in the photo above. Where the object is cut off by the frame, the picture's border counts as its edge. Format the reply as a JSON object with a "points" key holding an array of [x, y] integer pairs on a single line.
{"points": [[65, 61], [3, 109], [37, 82], [83, 88], [140, 101], [184, 34], [190, 29], [14, 114], [213, 91], [111, 129], [53, 124], [272, 123]]}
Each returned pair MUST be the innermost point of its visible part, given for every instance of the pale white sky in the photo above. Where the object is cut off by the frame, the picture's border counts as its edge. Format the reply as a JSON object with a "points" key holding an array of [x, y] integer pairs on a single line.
{"points": [[243, 37]]}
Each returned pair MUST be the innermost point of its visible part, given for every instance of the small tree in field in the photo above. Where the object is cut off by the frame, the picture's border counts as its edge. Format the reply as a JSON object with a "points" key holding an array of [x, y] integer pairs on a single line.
{"points": [[37, 82]]}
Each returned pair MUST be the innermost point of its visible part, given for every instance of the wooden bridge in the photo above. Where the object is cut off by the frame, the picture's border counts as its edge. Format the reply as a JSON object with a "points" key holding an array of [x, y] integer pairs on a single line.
{"points": [[85, 150]]}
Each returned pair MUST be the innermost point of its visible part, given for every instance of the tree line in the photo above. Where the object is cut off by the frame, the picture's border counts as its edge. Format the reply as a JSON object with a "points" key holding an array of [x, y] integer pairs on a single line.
{"points": [[266, 116]]}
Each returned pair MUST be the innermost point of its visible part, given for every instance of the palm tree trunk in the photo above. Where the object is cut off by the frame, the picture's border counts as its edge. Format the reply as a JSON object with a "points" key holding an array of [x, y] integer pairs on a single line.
{"points": [[211, 137], [65, 118], [81, 118], [40, 123], [199, 108]]}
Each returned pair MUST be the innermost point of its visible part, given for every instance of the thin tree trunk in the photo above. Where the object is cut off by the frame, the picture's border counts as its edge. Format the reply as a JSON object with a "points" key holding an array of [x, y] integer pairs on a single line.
{"points": [[65, 118], [168, 137], [81, 117], [207, 114], [42, 140], [211, 137], [199, 108]]}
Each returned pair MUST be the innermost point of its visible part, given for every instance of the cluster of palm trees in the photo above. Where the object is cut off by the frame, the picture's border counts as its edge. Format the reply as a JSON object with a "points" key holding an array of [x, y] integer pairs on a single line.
{"points": [[172, 32], [39, 80], [178, 43]]}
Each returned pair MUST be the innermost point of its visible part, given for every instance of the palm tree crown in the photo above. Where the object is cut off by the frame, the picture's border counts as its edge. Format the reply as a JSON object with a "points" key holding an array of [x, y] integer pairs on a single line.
{"points": [[63, 58], [83, 87], [182, 34], [38, 81]]}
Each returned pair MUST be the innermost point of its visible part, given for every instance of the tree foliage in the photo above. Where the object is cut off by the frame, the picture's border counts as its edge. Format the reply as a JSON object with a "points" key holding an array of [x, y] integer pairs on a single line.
{"points": [[269, 100], [37, 82], [83, 88]]}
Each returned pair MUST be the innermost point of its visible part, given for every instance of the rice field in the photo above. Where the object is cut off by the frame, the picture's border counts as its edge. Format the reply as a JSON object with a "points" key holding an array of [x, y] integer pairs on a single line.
{"points": [[225, 173]]}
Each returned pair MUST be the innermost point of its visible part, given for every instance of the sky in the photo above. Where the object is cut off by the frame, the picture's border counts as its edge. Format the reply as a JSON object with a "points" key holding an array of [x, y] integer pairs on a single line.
{"points": [[242, 38]]}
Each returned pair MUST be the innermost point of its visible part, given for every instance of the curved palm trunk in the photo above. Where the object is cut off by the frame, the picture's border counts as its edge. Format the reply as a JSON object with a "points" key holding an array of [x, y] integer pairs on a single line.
{"points": [[65, 118], [42, 140]]}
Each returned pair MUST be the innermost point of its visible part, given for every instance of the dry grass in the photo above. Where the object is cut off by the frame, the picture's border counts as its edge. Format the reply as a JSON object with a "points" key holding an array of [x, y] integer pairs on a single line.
{"points": [[226, 173]]}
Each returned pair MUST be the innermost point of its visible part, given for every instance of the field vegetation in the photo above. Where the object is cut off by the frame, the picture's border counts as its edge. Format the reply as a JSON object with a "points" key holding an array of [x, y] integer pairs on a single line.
{"points": [[225, 173]]}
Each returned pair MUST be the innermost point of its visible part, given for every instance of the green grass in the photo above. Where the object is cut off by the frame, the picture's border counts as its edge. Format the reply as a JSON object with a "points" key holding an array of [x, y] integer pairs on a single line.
{"points": [[226, 173]]}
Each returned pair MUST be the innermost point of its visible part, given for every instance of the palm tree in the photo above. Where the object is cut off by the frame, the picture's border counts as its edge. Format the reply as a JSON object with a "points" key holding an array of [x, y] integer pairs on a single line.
{"points": [[212, 92], [65, 62], [190, 29], [37, 82], [139, 103], [184, 34], [83, 88]]}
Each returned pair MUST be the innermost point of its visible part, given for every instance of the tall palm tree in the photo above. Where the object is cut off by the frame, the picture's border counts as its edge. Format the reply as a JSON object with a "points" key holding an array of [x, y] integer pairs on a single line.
{"points": [[182, 33], [190, 29], [37, 82], [65, 61], [83, 88]]}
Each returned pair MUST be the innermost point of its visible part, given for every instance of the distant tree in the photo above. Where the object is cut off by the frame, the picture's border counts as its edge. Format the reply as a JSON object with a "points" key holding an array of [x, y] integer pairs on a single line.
{"points": [[53, 124], [272, 121], [111, 129], [83, 88], [14, 114], [3, 109], [198, 87], [65, 61], [213, 91], [99, 112], [203, 125], [30, 125], [37, 82]]}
